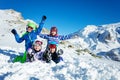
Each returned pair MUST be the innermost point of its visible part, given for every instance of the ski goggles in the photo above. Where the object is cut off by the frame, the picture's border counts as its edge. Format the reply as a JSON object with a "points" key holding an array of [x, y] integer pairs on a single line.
{"points": [[29, 27], [38, 43], [52, 46]]}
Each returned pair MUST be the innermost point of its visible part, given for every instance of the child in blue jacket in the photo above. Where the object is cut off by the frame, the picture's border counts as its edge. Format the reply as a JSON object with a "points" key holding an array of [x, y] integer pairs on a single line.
{"points": [[30, 35], [54, 37]]}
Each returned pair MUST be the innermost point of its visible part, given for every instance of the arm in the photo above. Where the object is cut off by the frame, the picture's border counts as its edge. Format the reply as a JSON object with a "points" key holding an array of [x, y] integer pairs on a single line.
{"points": [[44, 36], [39, 29], [17, 38], [30, 55], [47, 56], [65, 37], [29, 51]]}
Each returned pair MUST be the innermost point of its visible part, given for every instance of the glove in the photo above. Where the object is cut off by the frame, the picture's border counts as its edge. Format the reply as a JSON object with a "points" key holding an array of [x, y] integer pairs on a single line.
{"points": [[44, 18], [60, 52], [14, 31], [47, 56]]}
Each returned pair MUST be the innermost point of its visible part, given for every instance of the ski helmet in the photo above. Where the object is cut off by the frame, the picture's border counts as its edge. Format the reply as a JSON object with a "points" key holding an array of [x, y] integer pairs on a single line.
{"points": [[53, 29], [30, 24], [37, 42], [52, 46], [53, 42]]}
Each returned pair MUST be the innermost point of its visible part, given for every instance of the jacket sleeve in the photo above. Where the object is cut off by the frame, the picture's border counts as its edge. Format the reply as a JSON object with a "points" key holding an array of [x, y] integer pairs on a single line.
{"points": [[44, 36], [39, 29], [18, 39], [65, 37]]}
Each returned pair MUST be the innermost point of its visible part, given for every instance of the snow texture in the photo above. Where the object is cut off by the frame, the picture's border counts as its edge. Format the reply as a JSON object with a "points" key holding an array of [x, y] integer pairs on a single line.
{"points": [[79, 62]]}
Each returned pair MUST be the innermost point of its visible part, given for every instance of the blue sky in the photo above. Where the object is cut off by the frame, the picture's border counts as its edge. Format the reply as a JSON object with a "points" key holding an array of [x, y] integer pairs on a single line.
{"points": [[67, 15]]}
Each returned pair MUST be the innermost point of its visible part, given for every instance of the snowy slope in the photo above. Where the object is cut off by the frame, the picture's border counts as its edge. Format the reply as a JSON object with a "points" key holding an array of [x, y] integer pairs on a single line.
{"points": [[10, 19], [77, 64], [74, 67]]}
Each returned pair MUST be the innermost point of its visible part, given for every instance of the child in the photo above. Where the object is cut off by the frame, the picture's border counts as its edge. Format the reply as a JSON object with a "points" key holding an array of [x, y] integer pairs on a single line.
{"points": [[52, 54], [54, 37], [35, 53], [31, 33]]}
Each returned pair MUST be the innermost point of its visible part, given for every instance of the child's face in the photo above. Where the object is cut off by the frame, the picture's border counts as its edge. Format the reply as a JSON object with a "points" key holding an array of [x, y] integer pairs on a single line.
{"points": [[53, 33], [37, 47], [29, 29], [52, 50]]}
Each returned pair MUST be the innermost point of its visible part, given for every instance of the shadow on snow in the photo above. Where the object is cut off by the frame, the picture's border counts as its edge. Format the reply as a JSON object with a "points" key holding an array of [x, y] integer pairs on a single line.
{"points": [[9, 53]]}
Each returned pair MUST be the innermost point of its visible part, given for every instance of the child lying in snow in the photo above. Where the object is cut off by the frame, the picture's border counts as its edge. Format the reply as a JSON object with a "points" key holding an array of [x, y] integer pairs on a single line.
{"points": [[35, 52], [52, 54]]}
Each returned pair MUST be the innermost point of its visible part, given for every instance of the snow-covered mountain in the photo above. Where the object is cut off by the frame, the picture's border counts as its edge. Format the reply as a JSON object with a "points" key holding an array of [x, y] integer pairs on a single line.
{"points": [[102, 40], [90, 56]]}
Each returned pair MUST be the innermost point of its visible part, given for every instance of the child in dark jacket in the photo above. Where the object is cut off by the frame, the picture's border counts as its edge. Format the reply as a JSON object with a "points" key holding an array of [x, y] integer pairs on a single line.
{"points": [[31, 33], [35, 52], [52, 54]]}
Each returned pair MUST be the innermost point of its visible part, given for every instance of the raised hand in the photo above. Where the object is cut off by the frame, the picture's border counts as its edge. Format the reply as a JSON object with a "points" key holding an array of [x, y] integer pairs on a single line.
{"points": [[14, 31]]}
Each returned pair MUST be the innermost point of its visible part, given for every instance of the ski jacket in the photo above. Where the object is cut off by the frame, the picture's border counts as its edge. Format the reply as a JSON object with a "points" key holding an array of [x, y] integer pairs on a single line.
{"points": [[55, 39], [48, 56], [29, 37], [37, 55]]}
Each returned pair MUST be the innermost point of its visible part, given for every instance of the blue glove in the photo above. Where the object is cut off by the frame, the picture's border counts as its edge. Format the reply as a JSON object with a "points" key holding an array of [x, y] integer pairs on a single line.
{"points": [[14, 31]]}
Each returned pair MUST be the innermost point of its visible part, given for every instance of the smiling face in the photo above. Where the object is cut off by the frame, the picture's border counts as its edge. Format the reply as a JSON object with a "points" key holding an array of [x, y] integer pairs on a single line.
{"points": [[52, 50], [53, 33], [37, 47], [29, 29]]}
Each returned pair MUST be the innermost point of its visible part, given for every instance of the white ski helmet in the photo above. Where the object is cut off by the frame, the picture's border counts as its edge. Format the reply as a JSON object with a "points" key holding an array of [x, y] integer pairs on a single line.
{"points": [[37, 42]]}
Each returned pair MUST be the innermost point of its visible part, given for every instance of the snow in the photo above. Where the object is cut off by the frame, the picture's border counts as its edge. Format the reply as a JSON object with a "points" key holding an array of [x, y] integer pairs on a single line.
{"points": [[88, 29], [101, 40], [75, 66], [83, 67]]}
